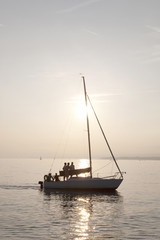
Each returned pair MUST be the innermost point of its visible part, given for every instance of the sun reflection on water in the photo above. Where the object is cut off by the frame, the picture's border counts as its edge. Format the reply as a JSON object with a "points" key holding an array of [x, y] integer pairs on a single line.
{"points": [[83, 214], [82, 226]]}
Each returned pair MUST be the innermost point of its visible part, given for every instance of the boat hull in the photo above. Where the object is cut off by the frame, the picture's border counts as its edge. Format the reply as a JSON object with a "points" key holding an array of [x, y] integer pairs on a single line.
{"points": [[84, 184]]}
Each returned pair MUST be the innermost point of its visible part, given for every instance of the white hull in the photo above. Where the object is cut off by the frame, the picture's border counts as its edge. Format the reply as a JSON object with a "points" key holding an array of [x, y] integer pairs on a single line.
{"points": [[84, 184]]}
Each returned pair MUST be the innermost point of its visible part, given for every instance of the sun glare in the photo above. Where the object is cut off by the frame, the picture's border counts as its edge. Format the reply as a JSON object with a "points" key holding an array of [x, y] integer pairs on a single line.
{"points": [[81, 108]]}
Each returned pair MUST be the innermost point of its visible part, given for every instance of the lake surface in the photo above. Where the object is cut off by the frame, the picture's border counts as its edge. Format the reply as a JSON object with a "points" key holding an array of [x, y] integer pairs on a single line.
{"points": [[26, 212]]}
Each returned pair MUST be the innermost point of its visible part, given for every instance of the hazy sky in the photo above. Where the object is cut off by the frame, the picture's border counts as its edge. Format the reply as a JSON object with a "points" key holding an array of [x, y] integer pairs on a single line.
{"points": [[45, 45]]}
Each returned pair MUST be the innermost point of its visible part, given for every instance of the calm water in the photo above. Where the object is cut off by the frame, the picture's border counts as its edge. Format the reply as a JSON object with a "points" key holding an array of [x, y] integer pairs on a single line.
{"points": [[133, 212]]}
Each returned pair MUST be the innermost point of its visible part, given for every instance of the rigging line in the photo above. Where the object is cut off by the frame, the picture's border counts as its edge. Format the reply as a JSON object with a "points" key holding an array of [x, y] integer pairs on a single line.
{"points": [[105, 137], [63, 140], [102, 167], [56, 152], [55, 155], [51, 165]]}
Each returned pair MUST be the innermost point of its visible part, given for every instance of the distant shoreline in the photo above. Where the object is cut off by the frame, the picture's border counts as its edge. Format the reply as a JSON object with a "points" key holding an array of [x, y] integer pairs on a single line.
{"points": [[96, 158], [138, 158]]}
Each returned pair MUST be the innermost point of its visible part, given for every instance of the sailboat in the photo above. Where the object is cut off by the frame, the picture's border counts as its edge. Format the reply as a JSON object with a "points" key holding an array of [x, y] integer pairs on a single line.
{"points": [[71, 179]]}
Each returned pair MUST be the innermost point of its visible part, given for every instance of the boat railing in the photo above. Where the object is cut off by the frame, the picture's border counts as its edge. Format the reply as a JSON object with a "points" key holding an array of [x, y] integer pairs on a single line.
{"points": [[119, 175], [110, 177], [116, 175]]}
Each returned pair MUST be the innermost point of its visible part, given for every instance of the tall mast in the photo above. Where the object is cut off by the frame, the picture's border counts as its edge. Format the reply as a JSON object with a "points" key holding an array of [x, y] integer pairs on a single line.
{"points": [[88, 131]]}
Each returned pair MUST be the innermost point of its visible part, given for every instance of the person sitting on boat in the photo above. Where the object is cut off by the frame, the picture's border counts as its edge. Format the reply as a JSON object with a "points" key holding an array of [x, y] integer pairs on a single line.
{"points": [[49, 177], [56, 178]]}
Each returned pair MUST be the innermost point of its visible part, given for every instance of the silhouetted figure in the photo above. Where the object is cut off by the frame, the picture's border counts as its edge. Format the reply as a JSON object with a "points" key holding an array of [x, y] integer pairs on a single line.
{"points": [[49, 177], [72, 167], [56, 178], [65, 171]]}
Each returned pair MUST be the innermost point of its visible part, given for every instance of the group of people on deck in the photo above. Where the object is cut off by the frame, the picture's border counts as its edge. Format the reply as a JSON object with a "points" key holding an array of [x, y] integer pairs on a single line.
{"points": [[66, 168], [49, 177]]}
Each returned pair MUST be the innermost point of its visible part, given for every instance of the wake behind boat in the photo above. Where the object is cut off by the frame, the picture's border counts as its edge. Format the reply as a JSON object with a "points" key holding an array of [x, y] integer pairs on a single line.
{"points": [[70, 178]]}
